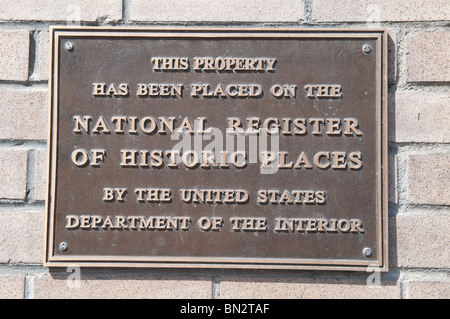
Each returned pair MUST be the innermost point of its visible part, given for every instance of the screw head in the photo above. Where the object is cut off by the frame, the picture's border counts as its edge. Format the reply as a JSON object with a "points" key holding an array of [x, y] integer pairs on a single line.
{"points": [[367, 252], [367, 48], [63, 246], [69, 46]]}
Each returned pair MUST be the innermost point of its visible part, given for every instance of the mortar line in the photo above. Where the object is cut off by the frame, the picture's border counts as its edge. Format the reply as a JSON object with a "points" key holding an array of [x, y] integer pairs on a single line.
{"points": [[21, 206], [216, 287], [23, 85], [126, 8], [23, 144], [28, 288], [31, 55], [30, 177], [436, 25], [308, 12]]}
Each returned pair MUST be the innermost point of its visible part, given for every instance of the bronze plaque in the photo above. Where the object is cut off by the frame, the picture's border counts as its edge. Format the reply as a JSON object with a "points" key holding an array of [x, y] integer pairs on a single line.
{"points": [[217, 148]]}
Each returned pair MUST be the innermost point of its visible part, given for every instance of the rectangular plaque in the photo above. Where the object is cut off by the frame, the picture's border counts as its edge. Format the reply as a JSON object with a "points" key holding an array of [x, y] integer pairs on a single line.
{"points": [[217, 148]]}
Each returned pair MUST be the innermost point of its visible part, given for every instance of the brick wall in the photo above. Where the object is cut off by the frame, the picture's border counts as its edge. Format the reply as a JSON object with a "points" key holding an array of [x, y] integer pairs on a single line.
{"points": [[419, 150]]}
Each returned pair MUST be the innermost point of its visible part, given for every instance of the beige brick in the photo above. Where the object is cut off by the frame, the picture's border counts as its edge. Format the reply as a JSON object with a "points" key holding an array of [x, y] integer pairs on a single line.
{"points": [[13, 174], [136, 287], [40, 190], [258, 288], [61, 10], [428, 179], [422, 117], [41, 66], [429, 290], [422, 241], [22, 237], [14, 55], [12, 286], [380, 10], [428, 56], [217, 10], [23, 114]]}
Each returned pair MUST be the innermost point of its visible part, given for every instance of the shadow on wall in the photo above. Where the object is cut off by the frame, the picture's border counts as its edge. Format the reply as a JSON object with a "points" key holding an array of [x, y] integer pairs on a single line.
{"points": [[392, 170]]}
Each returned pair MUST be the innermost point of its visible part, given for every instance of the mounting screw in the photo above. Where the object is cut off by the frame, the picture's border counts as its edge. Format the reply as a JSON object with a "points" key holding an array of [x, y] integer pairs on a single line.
{"points": [[69, 46], [367, 252], [367, 48], [63, 246]]}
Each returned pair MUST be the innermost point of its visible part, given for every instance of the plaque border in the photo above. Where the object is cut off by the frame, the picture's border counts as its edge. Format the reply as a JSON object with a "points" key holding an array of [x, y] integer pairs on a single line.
{"points": [[381, 262]]}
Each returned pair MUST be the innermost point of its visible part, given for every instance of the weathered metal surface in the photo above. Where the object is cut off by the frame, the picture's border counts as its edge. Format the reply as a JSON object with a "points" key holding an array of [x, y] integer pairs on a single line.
{"points": [[322, 206]]}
